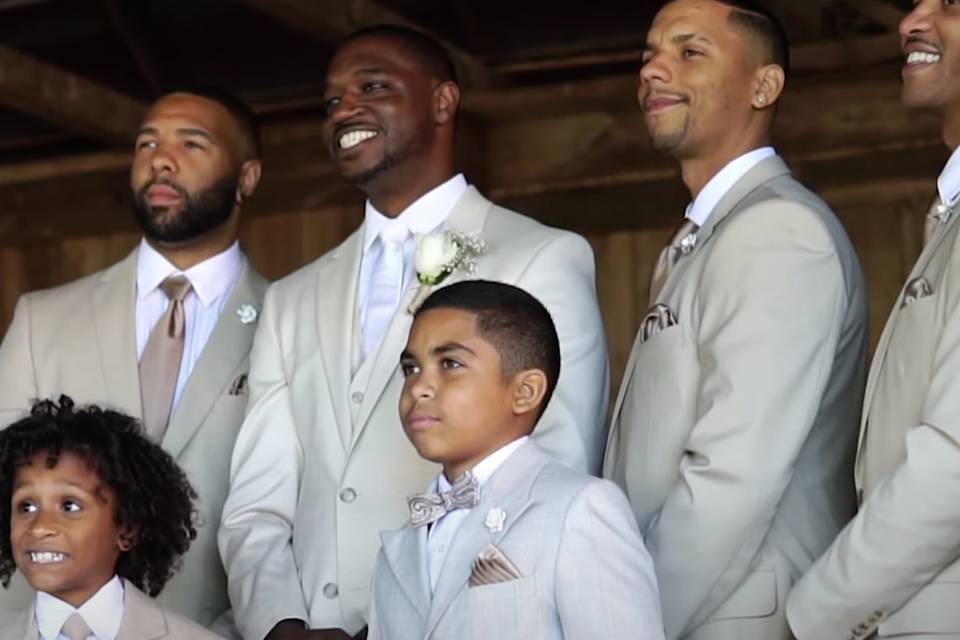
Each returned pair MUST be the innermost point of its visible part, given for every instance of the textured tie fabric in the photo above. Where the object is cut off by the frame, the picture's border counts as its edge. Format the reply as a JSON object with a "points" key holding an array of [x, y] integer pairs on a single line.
{"points": [[430, 507], [669, 257], [75, 628], [938, 214], [160, 363], [386, 285]]}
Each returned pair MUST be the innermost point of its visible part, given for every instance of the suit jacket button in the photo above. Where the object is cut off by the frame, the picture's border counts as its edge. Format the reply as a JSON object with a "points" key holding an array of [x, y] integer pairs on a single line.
{"points": [[357, 397], [330, 590], [348, 495]]}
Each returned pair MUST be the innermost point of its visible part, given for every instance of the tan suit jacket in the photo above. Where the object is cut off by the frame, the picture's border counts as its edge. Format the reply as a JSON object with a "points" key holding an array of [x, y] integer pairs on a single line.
{"points": [[79, 339], [143, 619], [318, 471], [735, 427], [896, 567]]}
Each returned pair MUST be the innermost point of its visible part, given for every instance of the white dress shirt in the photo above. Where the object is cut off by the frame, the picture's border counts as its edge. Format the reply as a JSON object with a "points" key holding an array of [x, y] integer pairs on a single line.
{"points": [[709, 197], [213, 281], [948, 184], [425, 215], [443, 530], [103, 612]]}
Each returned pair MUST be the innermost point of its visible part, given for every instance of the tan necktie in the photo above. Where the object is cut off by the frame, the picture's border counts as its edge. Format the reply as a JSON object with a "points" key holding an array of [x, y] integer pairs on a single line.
{"points": [[938, 214], [669, 257], [160, 363], [75, 628]]}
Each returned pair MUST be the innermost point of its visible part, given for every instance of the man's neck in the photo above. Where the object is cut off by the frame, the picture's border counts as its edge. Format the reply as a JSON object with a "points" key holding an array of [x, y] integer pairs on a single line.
{"points": [[697, 169], [393, 193], [193, 251]]}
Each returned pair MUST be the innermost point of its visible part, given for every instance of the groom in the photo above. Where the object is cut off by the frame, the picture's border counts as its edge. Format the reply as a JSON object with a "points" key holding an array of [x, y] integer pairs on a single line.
{"points": [[322, 465]]}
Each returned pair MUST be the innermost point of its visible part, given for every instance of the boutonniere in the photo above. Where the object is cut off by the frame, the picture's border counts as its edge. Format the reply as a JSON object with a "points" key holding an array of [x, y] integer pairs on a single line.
{"points": [[687, 243], [496, 517], [247, 313], [440, 254], [941, 212]]}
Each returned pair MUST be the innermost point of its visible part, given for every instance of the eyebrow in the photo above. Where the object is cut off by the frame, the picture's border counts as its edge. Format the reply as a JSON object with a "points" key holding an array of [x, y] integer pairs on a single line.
{"points": [[681, 38], [182, 131], [452, 346]]}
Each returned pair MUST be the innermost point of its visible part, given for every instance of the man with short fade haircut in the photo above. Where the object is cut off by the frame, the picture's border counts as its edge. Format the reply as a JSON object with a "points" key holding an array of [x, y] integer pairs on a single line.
{"points": [[321, 465], [164, 335], [734, 429], [894, 571]]}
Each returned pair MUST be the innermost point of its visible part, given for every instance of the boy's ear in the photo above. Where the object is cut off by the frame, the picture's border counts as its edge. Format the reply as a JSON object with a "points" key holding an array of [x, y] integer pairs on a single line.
{"points": [[529, 390], [128, 539]]}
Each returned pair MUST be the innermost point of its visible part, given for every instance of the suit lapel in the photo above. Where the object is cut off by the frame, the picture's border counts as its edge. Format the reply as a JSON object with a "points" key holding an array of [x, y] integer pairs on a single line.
{"points": [[226, 348], [23, 625], [406, 553], [114, 300], [142, 619]]}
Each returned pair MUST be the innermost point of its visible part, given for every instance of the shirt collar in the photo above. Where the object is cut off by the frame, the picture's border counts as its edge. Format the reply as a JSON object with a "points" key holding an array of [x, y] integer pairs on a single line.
{"points": [[709, 197], [486, 467], [424, 215], [103, 612], [211, 278], [948, 184]]}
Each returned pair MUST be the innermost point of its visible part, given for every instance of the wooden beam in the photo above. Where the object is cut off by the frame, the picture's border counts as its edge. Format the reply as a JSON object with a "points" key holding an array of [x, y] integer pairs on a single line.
{"points": [[882, 13], [67, 100]]}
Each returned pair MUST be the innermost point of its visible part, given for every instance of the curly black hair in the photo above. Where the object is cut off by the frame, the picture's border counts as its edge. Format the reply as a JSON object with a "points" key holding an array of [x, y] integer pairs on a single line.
{"points": [[154, 499]]}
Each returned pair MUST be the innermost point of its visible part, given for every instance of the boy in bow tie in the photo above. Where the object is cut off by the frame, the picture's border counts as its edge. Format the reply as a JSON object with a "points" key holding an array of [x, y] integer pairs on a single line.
{"points": [[507, 543]]}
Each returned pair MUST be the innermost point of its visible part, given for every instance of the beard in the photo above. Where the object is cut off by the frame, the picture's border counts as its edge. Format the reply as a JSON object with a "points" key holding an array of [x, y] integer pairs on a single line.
{"points": [[670, 140], [200, 213]]}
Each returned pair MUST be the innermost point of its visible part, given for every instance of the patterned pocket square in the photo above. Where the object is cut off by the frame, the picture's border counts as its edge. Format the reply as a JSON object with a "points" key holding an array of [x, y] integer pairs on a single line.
{"points": [[916, 289], [491, 566], [239, 386], [659, 317]]}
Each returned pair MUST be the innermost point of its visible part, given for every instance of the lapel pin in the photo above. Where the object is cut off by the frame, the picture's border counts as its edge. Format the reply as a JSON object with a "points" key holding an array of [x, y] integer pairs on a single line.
{"points": [[495, 519], [247, 313]]}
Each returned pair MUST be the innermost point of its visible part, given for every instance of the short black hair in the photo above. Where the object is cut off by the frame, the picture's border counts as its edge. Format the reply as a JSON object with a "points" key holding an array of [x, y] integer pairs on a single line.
{"points": [[760, 22], [242, 113], [154, 499], [517, 325], [429, 53]]}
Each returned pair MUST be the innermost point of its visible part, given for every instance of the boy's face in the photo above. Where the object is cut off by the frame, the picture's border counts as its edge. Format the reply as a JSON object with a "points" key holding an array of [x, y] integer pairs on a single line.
{"points": [[456, 407], [62, 529]]}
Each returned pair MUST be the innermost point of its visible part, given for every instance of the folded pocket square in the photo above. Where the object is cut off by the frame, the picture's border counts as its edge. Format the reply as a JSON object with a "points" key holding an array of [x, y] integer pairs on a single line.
{"points": [[239, 386], [916, 289], [659, 317], [492, 566]]}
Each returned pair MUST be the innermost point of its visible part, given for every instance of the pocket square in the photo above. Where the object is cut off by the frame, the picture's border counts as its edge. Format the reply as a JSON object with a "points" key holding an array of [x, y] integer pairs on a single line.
{"points": [[659, 317], [492, 566], [239, 386], [916, 289]]}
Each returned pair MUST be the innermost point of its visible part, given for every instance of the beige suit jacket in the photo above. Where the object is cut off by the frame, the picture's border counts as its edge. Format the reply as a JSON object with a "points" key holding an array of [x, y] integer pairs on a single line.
{"points": [[143, 619], [734, 430], [896, 567], [319, 471], [79, 339]]}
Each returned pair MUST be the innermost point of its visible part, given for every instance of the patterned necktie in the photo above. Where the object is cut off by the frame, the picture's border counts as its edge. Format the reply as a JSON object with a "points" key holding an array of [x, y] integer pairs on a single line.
{"points": [[386, 285], [430, 507], [669, 257], [938, 214], [75, 628], [160, 363]]}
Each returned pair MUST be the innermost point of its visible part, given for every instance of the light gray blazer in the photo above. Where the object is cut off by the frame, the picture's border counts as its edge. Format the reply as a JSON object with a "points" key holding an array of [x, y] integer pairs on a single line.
{"points": [[734, 430], [318, 472], [79, 339], [586, 574]]}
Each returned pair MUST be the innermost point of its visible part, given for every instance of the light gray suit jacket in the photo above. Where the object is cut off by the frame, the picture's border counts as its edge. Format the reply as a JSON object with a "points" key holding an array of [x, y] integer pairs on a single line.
{"points": [[896, 567], [586, 573], [734, 430], [143, 619], [79, 339], [319, 471]]}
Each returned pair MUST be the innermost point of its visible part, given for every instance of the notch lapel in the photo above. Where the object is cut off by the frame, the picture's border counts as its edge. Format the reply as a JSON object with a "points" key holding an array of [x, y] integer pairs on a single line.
{"points": [[406, 553], [226, 348], [142, 619], [114, 300]]}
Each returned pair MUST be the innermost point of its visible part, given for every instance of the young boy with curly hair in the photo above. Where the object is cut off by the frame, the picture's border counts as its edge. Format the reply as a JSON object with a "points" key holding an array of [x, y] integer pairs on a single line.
{"points": [[96, 516]]}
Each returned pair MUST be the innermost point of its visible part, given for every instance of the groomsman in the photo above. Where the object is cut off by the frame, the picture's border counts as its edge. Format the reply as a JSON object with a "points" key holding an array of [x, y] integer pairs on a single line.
{"points": [[895, 570], [164, 334], [734, 430], [321, 464]]}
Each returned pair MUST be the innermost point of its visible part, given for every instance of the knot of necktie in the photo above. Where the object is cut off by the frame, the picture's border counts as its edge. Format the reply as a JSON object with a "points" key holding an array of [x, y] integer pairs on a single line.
{"points": [[394, 232], [431, 506], [176, 287], [75, 627]]}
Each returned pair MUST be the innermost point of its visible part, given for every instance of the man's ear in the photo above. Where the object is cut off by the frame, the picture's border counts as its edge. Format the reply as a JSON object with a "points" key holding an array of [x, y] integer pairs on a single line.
{"points": [[446, 101], [769, 84], [530, 387], [249, 179]]}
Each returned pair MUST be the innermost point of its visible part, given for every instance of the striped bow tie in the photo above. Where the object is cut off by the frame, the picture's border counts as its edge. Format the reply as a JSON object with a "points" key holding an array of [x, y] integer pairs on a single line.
{"points": [[431, 506]]}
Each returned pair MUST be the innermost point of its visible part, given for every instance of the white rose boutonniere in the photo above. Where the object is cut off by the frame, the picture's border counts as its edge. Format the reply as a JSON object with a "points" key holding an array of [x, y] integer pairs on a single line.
{"points": [[440, 254], [247, 313], [495, 520]]}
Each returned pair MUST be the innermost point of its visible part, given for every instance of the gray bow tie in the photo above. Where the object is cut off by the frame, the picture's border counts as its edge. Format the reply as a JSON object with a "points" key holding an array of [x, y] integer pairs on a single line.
{"points": [[430, 507]]}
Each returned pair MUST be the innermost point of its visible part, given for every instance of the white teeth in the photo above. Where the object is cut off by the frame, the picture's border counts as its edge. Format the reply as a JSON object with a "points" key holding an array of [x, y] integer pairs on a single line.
{"points": [[46, 557], [918, 57], [353, 138]]}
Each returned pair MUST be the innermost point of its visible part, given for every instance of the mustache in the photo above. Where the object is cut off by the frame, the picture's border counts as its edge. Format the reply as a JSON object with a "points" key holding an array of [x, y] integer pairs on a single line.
{"points": [[142, 192], [919, 40]]}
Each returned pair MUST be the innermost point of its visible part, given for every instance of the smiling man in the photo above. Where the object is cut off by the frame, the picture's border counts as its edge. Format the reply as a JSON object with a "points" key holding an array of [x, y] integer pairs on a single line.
{"points": [[895, 570], [734, 430], [158, 334], [321, 465]]}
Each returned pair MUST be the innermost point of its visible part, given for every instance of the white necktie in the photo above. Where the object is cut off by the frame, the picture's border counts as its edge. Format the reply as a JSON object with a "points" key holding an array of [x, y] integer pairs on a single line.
{"points": [[386, 285]]}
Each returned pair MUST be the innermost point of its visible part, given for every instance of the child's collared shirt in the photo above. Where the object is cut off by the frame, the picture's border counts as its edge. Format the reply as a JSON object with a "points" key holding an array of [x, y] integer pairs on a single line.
{"points": [[103, 612], [443, 530]]}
